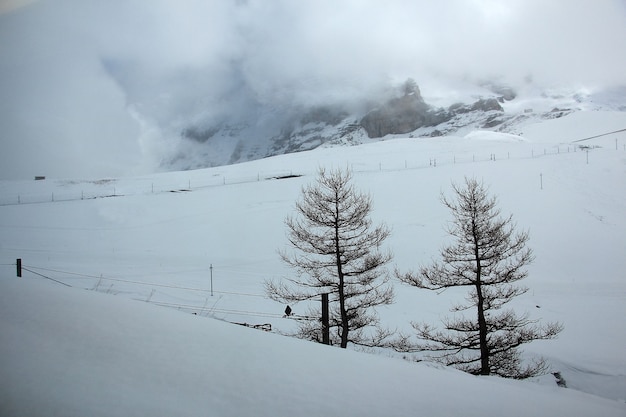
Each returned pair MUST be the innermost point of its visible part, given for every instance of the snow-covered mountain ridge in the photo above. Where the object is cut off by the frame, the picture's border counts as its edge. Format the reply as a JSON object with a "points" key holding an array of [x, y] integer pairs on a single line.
{"points": [[402, 112]]}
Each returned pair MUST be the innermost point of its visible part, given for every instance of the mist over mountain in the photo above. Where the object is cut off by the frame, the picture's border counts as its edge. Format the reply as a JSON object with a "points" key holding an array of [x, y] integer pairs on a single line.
{"points": [[261, 130], [111, 88]]}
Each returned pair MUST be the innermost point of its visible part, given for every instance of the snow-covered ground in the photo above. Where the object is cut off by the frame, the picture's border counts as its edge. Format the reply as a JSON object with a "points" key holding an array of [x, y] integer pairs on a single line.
{"points": [[165, 240], [69, 352]]}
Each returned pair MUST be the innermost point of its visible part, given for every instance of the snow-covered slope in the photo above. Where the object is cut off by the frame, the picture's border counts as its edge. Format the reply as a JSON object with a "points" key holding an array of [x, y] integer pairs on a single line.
{"points": [[70, 352], [169, 238]]}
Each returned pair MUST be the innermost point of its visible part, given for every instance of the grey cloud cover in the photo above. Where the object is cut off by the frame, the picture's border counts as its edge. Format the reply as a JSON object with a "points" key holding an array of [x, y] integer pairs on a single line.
{"points": [[102, 88]]}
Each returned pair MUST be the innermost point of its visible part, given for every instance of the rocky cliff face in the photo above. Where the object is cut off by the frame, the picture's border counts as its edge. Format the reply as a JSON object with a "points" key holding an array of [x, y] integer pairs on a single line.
{"points": [[277, 131], [399, 115], [410, 112]]}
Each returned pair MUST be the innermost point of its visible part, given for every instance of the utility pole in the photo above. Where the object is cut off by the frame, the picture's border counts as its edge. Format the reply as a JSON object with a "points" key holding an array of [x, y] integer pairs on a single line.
{"points": [[325, 320], [211, 269], [19, 267]]}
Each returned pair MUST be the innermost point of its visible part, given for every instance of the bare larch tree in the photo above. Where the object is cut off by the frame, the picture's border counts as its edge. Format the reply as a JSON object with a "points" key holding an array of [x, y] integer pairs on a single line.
{"points": [[336, 250], [488, 257]]}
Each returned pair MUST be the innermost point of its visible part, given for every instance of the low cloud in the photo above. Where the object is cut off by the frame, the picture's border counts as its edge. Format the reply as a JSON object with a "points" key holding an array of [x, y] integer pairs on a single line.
{"points": [[105, 88]]}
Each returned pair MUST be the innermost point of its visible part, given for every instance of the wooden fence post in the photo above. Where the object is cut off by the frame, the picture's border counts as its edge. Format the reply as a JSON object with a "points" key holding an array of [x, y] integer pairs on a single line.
{"points": [[325, 320]]}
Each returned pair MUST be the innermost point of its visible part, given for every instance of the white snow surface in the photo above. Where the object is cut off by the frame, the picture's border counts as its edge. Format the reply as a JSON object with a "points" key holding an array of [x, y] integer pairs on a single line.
{"points": [[138, 255], [70, 352]]}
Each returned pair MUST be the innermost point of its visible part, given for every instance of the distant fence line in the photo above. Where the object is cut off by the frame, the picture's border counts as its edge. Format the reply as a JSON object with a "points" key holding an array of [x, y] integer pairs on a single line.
{"points": [[113, 188]]}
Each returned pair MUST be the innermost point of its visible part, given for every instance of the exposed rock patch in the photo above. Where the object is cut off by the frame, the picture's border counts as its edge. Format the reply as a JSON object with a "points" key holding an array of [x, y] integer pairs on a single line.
{"points": [[410, 112]]}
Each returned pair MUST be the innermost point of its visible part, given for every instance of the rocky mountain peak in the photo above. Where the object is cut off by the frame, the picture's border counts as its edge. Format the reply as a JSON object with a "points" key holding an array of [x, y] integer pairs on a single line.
{"points": [[405, 114], [269, 131]]}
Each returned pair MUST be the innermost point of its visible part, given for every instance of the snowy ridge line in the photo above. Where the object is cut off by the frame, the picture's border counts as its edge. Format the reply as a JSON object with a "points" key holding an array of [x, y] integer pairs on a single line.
{"points": [[151, 284], [52, 197]]}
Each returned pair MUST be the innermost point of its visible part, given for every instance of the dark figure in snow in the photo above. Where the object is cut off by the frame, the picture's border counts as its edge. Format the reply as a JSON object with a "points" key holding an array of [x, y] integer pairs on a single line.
{"points": [[288, 311]]}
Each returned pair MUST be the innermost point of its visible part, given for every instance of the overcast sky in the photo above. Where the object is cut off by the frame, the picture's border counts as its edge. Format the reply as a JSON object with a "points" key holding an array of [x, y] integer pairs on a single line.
{"points": [[98, 88]]}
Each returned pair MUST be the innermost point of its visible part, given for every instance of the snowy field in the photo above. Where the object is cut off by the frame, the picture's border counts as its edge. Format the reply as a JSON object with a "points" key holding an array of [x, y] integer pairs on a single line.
{"points": [[152, 250]]}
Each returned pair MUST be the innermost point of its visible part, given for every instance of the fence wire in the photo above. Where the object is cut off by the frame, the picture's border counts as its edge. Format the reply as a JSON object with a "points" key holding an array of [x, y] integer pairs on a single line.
{"points": [[47, 272]]}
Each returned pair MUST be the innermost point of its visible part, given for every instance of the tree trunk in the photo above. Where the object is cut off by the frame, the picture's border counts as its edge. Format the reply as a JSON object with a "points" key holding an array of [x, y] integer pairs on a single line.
{"points": [[480, 306], [482, 329], [345, 326], [344, 317]]}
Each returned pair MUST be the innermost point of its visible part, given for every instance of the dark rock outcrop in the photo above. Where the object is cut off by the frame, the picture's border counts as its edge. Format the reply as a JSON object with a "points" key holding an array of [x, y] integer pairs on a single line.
{"points": [[409, 112], [398, 115], [484, 105], [329, 115], [260, 131], [199, 135]]}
